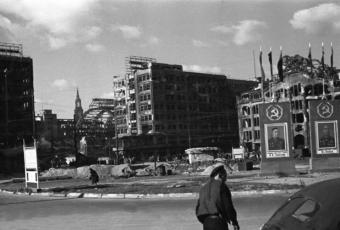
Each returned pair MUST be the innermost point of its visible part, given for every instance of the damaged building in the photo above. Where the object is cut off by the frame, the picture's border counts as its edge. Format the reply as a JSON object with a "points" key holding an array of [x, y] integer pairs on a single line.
{"points": [[168, 110], [16, 105], [302, 80]]}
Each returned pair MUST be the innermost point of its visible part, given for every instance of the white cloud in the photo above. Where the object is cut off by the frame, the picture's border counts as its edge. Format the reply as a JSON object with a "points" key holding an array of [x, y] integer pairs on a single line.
{"points": [[199, 43], [94, 47], [154, 40], [56, 21], [222, 29], [5, 23], [202, 69], [128, 32], [244, 32], [62, 84], [56, 42], [91, 33], [321, 18]]}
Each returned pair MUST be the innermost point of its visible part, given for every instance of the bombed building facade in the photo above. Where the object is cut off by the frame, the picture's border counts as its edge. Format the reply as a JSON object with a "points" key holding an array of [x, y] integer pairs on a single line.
{"points": [[16, 104], [302, 80]]}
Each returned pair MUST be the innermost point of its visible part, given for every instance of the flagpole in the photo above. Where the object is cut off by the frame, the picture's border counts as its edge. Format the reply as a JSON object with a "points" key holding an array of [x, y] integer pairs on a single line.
{"points": [[262, 75], [254, 65], [323, 72], [332, 72]]}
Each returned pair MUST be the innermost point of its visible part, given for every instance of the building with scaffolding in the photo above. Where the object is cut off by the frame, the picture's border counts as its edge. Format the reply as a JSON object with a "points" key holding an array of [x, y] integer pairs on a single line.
{"points": [[16, 104], [168, 110]]}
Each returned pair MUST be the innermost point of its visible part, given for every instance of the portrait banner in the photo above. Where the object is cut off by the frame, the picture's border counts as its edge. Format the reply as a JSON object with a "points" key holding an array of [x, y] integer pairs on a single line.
{"points": [[324, 138], [276, 139], [275, 125]]}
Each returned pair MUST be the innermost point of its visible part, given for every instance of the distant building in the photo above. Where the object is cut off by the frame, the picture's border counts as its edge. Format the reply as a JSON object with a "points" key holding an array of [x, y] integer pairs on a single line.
{"points": [[168, 110], [16, 104]]}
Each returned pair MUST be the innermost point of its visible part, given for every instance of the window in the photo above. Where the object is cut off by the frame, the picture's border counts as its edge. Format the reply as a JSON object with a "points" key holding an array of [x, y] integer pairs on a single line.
{"points": [[306, 210]]}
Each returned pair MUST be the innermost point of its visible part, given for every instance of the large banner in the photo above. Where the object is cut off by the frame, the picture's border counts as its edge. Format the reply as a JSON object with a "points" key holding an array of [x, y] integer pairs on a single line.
{"points": [[324, 125], [275, 125]]}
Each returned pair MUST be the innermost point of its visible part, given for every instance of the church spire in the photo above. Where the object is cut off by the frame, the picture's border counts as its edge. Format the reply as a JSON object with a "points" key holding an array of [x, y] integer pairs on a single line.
{"points": [[78, 110]]}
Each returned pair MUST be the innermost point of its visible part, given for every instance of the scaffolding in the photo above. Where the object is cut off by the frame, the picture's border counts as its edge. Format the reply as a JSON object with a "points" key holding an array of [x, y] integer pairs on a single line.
{"points": [[137, 63], [10, 49]]}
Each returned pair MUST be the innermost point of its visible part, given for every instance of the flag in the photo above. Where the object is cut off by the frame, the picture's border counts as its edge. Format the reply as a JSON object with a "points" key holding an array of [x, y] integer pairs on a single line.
{"points": [[263, 76], [310, 53], [310, 58], [323, 58], [271, 63], [331, 55], [280, 67]]}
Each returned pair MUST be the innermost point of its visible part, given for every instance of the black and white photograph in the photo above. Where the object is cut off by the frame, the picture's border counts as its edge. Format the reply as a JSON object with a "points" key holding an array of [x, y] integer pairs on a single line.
{"points": [[276, 140], [147, 114], [327, 136]]}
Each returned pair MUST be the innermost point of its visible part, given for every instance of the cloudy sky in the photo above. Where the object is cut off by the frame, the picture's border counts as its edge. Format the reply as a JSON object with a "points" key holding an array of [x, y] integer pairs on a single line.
{"points": [[83, 43]]}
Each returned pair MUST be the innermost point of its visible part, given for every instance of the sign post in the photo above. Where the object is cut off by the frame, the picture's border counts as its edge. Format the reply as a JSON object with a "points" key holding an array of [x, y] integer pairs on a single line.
{"points": [[31, 165]]}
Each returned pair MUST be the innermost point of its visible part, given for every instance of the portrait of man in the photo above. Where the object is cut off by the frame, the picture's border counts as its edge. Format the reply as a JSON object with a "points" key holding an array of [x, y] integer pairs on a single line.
{"points": [[276, 140], [326, 135]]}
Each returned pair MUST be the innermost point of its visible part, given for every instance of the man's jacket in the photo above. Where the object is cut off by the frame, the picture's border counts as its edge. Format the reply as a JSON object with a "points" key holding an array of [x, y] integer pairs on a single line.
{"points": [[215, 199]]}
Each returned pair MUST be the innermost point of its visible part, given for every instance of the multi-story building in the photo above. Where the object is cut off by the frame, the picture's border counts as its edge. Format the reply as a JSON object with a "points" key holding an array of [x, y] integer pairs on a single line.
{"points": [[299, 85], [170, 110], [16, 103]]}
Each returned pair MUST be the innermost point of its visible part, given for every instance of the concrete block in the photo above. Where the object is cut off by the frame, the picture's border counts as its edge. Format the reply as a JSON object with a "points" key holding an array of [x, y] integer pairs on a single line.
{"points": [[325, 164], [282, 167], [113, 196]]}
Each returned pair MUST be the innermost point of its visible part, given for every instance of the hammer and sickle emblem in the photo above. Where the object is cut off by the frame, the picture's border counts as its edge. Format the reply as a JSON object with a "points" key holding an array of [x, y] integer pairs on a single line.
{"points": [[325, 109], [274, 112]]}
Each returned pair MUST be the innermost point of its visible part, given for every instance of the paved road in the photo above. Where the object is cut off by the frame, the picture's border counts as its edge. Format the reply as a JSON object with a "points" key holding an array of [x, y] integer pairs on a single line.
{"points": [[27, 212]]}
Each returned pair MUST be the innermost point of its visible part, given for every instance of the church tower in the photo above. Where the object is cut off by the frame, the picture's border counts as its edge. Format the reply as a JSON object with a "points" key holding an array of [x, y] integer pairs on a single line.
{"points": [[78, 111]]}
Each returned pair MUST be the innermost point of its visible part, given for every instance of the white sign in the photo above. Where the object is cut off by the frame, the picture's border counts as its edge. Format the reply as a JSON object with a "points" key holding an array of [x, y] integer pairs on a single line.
{"points": [[30, 158], [31, 165], [238, 153]]}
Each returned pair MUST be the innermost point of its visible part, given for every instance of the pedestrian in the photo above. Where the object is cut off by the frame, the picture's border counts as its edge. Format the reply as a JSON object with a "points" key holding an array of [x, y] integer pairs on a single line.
{"points": [[94, 176], [215, 209]]}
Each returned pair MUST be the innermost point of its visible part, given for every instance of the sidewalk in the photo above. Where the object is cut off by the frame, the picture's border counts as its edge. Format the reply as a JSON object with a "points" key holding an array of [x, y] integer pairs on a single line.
{"points": [[177, 186]]}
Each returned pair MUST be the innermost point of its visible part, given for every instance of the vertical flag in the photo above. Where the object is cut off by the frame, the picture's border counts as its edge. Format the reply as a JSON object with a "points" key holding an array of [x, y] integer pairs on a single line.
{"points": [[323, 57], [262, 74], [270, 62], [331, 55], [280, 66]]}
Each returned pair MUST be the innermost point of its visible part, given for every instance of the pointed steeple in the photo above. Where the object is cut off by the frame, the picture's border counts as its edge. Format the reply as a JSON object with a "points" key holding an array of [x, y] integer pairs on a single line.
{"points": [[78, 110]]}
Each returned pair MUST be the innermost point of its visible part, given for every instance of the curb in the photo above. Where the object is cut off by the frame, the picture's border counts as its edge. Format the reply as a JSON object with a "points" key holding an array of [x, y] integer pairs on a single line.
{"points": [[148, 196]]}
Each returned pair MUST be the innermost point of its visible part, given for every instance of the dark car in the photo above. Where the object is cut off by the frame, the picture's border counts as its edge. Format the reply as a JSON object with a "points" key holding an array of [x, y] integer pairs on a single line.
{"points": [[315, 207]]}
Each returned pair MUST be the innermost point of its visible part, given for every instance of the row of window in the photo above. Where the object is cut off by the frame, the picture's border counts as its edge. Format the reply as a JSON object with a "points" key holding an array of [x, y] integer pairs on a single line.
{"points": [[146, 118], [144, 97], [121, 130], [143, 77], [144, 87], [145, 107]]}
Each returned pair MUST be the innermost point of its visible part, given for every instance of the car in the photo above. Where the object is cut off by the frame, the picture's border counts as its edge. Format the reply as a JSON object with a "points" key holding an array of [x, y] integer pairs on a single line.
{"points": [[315, 207]]}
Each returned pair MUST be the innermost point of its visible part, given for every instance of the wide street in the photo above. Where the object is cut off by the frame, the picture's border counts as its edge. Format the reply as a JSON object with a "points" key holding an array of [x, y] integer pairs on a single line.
{"points": [[19, 212]]}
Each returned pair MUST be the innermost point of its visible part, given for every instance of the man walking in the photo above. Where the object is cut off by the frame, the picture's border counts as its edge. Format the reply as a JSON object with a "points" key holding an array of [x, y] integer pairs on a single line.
{"points": [[215, 209]]}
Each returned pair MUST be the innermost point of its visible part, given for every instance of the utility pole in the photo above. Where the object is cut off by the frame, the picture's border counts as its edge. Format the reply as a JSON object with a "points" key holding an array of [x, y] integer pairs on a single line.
{"points": [[6, 107], [116, 133]]}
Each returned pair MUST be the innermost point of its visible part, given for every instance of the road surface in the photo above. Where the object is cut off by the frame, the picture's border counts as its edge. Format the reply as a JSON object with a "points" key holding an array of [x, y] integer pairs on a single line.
{"points": [[18, 212]]}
